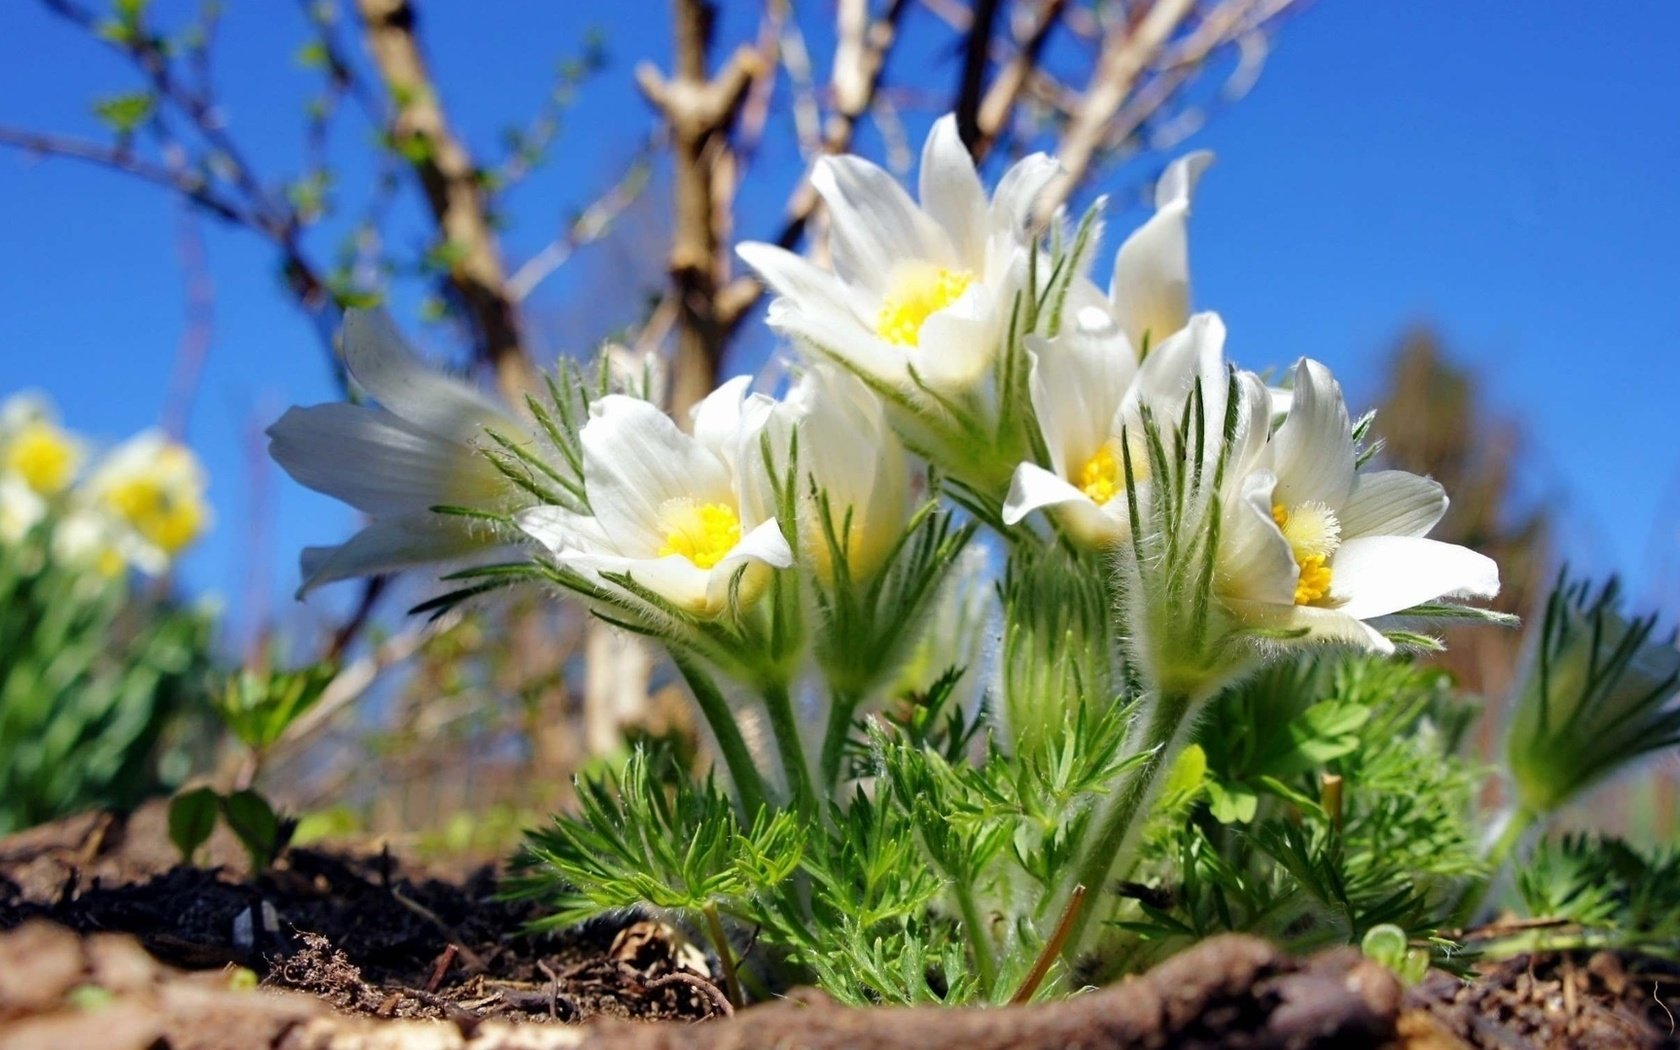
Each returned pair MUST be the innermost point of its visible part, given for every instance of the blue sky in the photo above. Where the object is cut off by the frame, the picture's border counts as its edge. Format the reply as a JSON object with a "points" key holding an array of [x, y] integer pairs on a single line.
{"points": [[1510, 179]]}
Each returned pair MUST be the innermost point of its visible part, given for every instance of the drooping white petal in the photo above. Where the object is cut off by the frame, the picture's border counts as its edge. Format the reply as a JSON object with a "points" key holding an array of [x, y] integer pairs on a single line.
{"points": [[873, 223], [390, 544], [635, 460], [376, 462], [1327, 626], [1256, 563], [1077, 382], [1034, 488], [1392, 503], [957, 343], [379, 359], [951, 193], [1313, 449], [1379, 575], [1151, 285]]}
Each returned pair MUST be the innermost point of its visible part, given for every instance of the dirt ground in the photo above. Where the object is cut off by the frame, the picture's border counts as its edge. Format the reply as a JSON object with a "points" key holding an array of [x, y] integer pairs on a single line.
{"points": [[106, 941]]}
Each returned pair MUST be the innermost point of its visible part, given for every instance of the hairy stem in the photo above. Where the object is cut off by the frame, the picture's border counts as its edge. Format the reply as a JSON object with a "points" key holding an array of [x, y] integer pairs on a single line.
{"points": [[978, 940], [841, 708], [726, 955], [749, 784], [778, 703], [1111, 844], [1517, 824]]}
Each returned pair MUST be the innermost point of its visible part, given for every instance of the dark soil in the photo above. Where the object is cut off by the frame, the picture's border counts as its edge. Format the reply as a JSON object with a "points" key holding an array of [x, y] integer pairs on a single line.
{"points": [[361, 950]]}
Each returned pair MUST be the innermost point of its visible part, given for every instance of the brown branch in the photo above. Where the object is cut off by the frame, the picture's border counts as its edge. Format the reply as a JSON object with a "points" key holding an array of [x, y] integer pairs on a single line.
{"points": [[457, 199], [1001, 98], [699, 111], [976, 49]]}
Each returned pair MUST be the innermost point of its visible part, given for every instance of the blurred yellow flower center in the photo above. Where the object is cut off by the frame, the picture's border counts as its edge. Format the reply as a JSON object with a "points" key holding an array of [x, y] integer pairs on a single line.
{"points": [[701, 532], [43, 456], [1314, 533], [919, 291], [1100, 477], [157, 505]]}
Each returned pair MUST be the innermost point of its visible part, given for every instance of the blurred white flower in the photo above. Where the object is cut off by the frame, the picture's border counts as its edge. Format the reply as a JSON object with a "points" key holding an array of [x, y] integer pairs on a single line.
{"points": [[21, 509], [671, 511], [925, 288], [153, 489], [1151, 284], [34, 448], [849, 455], [1313, 544], [417, 450], [90, 538]]}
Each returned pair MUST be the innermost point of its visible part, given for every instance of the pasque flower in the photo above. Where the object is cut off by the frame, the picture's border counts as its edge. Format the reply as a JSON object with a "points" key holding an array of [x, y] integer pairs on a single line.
{"points": [[153, 489], [670, 511], [1150, 289], [923, 289], [1314, 546], [420, 447], [34, 449]]}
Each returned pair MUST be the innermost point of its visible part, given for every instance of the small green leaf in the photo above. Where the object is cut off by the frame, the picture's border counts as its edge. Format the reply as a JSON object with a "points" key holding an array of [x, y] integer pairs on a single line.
{"points": [[192, 817], [124, 113], [254, 821], [1232, 803]]}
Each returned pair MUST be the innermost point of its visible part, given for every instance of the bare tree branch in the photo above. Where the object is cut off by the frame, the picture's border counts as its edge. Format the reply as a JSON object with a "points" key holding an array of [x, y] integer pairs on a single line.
{"points": [[976, 50], [453, 190], [1001, 98]]}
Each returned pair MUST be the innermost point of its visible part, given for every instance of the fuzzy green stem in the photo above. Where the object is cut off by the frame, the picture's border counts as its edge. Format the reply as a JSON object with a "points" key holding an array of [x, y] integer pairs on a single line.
{"points": [[978, 940], [841, 708], [1111, 847], [1475, 895], [726, 955], [749, 784], [778, 703]]}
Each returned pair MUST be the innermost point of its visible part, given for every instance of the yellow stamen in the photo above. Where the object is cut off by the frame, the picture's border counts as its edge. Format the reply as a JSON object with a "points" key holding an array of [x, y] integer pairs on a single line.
{"points": [[919, 291], [161, 503], [1314, 533], [43, 456], [1100, 477], [701, 532]]}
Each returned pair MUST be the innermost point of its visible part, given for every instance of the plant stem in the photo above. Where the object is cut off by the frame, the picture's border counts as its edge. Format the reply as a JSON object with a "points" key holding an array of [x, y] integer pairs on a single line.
{"points": [[1111, 849], [978, 939], [778, 703], [726, 956], [841, 708], [1052, 948], [749, 784], [1517, 824]]}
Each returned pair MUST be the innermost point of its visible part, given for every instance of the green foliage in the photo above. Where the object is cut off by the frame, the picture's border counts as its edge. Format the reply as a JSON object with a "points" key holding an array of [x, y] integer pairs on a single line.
{"points": [[99, 687], [259, 706], [1603, 892], [263, 832]]}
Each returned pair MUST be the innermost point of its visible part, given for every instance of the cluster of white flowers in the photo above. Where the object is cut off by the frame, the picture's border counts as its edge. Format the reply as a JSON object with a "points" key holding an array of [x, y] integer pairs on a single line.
{"points": [[950, 348], [138, 506]]}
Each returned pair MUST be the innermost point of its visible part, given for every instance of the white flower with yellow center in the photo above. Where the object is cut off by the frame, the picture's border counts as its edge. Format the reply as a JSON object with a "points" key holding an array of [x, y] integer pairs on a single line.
{"points": [[90, 538], [21, 509], [1313, 543], [153, 489], [847, 452], [671, 511], [1150, 289], [419, 448], [915, 287], [1087, 389], [34, 448]]}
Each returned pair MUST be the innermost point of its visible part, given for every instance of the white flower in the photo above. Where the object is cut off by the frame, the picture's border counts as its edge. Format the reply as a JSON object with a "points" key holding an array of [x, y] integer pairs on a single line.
{"points": [[1087, 392], [1151, 285], [1311, 542], [926, 287], [848, 453], [90, 538], [21, 509], [417, 450], [152, 489], [670, 510], [34, 448]]}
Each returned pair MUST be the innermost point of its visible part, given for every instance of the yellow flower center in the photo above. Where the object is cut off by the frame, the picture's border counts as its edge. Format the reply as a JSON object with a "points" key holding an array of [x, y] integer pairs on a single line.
{"points": [[43, 456], [1314, 533], [701, 532], [161, 503], [1100, 477], [919, 291], [109, 562]]}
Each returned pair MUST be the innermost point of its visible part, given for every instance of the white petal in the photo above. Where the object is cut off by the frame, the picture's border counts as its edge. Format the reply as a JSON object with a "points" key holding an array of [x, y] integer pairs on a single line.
{"points": [[379, 359], [761, 549], [956, 345], [874, 225], [1313, 449], [1151, 284], [951, 193], [1034, 488], [717, 419], [558, 529], [1255, 562], [1392, 503], [838, 340], [1015, 201], [377, 463], [634, 460], [1378, 575], [390, 545], [1077, 382], [673, 577], [1325, 626]]}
